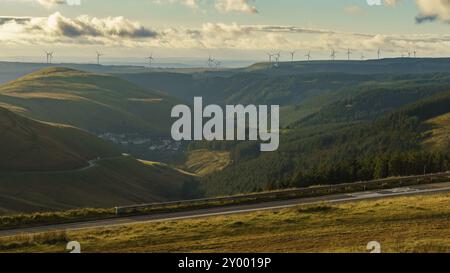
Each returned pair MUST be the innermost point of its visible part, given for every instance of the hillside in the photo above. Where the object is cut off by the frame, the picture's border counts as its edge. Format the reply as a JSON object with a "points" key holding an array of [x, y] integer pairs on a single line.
{"points": [[97, 103], [28, 145], [330, 153], [46, 167], [339, 228], [302, 95]]}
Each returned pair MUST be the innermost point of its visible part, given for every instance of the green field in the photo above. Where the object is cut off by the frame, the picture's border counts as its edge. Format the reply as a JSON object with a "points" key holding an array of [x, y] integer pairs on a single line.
{"points": [[320, 228]]}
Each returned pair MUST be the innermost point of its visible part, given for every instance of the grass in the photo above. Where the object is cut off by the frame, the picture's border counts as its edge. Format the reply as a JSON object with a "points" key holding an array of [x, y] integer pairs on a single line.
{"points": [[98, 103], [406, 224], [203, 162], [113, 182], [438, 135]]}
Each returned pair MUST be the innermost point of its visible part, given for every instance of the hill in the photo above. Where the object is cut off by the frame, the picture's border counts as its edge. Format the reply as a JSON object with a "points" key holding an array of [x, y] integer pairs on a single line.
{"points": [[28, 145], [46, 167], [303, 95], [97, 103], [382, 66], [330, 153]]}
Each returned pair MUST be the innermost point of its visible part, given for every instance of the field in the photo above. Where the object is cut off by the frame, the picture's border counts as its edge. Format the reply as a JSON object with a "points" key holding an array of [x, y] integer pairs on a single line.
{"points": [[203, 162], [320, 228]]}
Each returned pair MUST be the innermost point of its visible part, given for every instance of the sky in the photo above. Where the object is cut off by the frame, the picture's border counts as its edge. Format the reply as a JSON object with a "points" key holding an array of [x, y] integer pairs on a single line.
{"points": [[246, 30]]}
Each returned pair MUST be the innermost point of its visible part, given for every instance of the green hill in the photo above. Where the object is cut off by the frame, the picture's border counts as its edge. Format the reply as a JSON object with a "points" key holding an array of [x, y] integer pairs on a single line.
{"points": [[329, 153], [97, 103], [45, 167]]}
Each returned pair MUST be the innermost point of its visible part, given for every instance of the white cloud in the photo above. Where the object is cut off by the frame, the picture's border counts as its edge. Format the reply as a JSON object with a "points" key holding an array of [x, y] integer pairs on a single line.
{"points": [[120, 32], [47, 3], [243, 6], [83, 29]]}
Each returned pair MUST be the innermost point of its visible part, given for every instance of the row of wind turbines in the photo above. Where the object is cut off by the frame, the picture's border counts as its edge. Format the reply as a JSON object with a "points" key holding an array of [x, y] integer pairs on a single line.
{"points": [[275, 57]]}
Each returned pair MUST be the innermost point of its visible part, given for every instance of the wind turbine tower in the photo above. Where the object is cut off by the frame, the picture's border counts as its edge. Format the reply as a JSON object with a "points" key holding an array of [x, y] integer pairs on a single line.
{"points": [[308, 56], [210, 61], [150, 60], [379, 53], [349, 53], [49, 57], [333, 54], [99, 54], [292, 55]]}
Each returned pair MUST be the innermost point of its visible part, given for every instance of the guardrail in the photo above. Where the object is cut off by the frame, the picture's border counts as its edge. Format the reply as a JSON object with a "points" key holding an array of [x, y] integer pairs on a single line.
{"points": [[287, 194]]}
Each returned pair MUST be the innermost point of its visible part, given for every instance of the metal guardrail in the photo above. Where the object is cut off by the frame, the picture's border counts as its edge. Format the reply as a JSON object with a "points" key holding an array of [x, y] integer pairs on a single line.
{"points": [[293, 193]]}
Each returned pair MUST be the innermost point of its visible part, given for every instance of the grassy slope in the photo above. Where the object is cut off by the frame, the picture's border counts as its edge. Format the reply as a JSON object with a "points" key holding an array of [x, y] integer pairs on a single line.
{"points": [[28, 145], [114, 182], [95, 102], [203, 162], [42, 168], [439, 133], [337, 228]]}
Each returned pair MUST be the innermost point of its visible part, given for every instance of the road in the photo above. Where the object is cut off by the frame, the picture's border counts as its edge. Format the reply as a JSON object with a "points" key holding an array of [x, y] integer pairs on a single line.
{"points": [[91, 164], [273, 205]]}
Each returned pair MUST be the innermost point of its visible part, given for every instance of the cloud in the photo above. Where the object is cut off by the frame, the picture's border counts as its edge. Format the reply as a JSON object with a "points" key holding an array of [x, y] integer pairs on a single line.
{"points": [[431, 10], [83, 29], [48, 3], [120, 32], [188, 3], [243, 6], [353, 9]]}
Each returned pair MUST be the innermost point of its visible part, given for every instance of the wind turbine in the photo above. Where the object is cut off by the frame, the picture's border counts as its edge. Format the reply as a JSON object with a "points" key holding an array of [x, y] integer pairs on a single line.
{"points": [[308, 56], [379, 53], [150, 60], [99, 54], [333, 54], [217, 63], [415, 54], [270, 57], [49, 56], [292, 55], [349, 52], [210, 61], [277, 58]]}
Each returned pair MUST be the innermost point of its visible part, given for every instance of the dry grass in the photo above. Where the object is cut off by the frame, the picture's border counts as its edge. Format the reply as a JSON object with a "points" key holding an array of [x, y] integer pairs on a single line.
{"points": [[204, 162], [408, 224]]}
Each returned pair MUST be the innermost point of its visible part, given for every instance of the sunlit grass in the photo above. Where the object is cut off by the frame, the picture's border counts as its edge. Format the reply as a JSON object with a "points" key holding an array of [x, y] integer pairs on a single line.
{"points": [[407, 224]]}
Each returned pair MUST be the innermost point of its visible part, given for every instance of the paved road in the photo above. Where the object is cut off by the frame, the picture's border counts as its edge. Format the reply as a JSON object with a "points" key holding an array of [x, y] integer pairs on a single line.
{"points": [[330, 199]]}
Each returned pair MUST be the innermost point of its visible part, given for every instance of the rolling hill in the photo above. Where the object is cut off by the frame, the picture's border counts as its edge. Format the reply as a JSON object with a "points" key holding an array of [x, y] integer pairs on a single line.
{"points": [[98, 103], [409, 140], [46, 167]]}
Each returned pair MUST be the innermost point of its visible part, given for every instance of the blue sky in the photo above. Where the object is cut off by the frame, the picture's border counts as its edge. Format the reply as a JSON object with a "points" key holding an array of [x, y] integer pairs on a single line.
{"points": [[229, 29]]}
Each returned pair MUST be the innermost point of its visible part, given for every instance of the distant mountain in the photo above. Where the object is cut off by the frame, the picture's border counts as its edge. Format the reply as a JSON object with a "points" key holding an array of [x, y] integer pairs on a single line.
{"points": [[46, 167], [383, 66], [98, 103]]}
